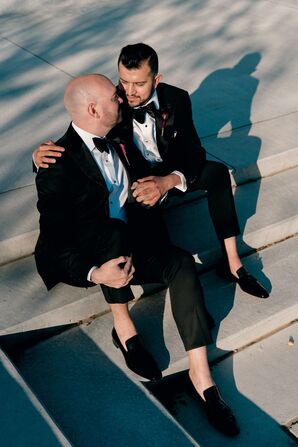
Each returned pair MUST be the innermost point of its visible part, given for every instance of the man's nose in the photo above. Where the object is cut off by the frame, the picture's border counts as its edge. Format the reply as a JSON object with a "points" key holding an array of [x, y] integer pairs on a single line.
{"points": [[120, 100], [131, 89]]}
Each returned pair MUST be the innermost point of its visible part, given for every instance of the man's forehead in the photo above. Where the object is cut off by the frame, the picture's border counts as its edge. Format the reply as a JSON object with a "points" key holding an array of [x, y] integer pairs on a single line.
{"points": [[135, 74]]}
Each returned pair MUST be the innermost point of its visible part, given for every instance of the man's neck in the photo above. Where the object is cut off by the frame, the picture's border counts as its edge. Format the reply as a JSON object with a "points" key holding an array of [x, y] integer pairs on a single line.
{"points": [[99, 131]]}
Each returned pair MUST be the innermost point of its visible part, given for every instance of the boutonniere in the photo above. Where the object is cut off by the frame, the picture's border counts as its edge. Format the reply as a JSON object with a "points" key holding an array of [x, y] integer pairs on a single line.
{"points": [[117, 141], [123, 150], [164, 117]]}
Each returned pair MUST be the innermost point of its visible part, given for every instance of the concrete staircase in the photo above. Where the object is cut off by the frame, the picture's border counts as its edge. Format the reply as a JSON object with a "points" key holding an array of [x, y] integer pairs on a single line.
{"points": [[80, 367], [62, 382]]}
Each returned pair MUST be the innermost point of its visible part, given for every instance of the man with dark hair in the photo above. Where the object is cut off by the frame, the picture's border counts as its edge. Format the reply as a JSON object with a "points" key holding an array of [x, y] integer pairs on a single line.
{"points": [[132, 56], [92, 232], [158, 117]]}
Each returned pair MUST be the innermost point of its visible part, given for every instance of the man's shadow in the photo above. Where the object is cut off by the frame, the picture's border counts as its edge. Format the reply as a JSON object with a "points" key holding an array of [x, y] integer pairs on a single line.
{"points": [[222, 114]]}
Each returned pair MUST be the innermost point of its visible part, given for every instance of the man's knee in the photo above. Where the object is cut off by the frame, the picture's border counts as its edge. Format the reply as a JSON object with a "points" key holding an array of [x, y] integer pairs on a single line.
{"points": [[215, 177]]}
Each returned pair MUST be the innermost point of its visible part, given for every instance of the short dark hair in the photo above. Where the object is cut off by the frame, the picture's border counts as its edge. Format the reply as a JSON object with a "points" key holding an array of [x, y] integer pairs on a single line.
{"points": [[132, 56]]}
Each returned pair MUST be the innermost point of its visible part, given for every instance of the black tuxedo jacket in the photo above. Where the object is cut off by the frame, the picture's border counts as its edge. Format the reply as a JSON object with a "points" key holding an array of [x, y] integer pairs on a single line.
{"points": [[74, 210], [178, 143]]}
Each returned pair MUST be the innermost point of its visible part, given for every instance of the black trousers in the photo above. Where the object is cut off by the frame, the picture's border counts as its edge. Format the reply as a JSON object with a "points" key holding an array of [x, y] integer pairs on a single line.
{"points": [[156, 260], [215, 179]]}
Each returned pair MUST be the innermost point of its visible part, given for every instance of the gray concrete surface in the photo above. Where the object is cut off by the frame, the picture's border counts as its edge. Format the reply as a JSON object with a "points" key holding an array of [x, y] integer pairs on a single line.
{"points": [[94, 402], [245, 49], [27, 305], [24, 420], [239, 65], [259, 383]]}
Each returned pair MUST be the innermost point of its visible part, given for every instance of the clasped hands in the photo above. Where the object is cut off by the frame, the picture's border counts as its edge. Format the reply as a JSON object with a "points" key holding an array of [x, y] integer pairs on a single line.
{"points": [[149, 190], [117, 272]]}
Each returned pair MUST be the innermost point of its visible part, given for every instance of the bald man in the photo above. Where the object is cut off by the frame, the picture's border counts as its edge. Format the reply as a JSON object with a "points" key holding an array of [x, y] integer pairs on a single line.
{"points": [[92, 232]]}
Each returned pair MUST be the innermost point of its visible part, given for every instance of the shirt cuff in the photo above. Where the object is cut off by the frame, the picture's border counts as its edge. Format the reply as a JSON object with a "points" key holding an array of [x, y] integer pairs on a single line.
{"points": [[182, 185], [90, 273]]}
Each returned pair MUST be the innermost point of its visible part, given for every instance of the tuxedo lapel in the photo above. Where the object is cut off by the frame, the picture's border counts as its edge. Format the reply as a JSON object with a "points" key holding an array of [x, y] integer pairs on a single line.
{"points": [[164, 121], [81, 155]]}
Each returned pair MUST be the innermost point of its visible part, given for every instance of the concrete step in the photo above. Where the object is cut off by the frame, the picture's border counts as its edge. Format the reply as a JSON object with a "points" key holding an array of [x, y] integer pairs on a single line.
{"points": [[18, 223], [94, 402], [258, 150], [275, 217], [26, 305], [259, 383], [24, 420]]}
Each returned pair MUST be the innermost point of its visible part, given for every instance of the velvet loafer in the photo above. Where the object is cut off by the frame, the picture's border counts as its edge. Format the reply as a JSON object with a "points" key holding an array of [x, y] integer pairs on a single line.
{"points": [[137, 358], [218, 412], [247, 282]]}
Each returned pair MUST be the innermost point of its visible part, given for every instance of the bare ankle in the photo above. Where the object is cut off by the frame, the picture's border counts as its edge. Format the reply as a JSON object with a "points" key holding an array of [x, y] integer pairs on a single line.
{"points": [[201, 382], [125, 331], [235, 264]]}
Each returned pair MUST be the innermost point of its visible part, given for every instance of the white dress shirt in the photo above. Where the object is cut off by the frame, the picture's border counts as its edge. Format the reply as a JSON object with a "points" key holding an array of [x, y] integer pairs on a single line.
{"points": [[144, 136], [114, 174]]}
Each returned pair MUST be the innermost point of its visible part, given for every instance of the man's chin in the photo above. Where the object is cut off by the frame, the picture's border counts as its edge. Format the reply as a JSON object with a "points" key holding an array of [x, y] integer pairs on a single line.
{"points": [[133, 102]]}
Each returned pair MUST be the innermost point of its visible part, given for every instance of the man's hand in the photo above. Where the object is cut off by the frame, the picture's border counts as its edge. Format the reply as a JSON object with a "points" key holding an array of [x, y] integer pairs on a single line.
{"points": [[113, 274], [149, 190], [47, 153]]}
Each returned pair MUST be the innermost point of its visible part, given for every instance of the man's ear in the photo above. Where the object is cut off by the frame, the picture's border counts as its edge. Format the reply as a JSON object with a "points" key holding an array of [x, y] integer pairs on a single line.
{"points": [[92, 110], [157, 79]]}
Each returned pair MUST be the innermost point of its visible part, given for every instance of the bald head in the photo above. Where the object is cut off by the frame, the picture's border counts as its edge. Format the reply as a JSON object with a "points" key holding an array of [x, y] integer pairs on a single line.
{"points": [[89, 101], [83, 90]]}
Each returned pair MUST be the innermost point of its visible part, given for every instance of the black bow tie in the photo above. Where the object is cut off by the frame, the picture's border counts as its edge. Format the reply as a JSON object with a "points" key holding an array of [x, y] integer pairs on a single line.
{"points": [[139, 114], [102, 144]]}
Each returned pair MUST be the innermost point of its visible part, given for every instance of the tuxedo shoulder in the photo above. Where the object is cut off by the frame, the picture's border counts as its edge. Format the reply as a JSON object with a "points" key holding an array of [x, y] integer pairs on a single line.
{"points": [[171, 91], [65, 140], [57, 168]]}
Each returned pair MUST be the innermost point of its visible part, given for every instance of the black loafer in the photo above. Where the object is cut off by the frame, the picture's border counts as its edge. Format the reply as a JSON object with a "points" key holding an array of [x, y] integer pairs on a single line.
{"points": [[246, 281], [137, 358], [218, 412], [249, 284]]}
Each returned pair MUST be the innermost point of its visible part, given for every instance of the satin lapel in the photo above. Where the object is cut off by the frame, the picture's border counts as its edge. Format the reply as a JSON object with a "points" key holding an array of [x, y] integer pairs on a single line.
{"points": [[164, 124], [81, 155]]}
